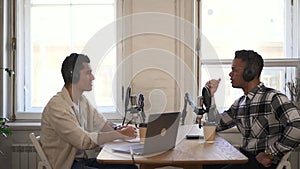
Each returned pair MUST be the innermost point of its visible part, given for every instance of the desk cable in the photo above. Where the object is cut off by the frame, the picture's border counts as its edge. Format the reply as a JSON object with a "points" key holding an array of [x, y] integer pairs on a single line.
{"points": [[132, 155]]}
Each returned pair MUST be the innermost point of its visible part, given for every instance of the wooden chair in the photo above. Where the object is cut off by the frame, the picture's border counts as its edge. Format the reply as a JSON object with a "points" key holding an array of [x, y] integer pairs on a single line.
{"points": [[285, 162], [44, 163]]}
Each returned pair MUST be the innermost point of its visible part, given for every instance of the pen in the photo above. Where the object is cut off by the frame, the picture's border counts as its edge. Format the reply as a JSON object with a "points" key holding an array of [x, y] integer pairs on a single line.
{"points": [[132, 155]]}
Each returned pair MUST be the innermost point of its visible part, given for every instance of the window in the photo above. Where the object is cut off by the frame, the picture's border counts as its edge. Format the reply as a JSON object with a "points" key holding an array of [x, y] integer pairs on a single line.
{"points": [[265, 26], [48, 31]]}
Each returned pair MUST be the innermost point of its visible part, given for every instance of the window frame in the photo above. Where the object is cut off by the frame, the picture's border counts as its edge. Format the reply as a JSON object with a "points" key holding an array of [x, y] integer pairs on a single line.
{"points": [[291, 46], [24, 49]]}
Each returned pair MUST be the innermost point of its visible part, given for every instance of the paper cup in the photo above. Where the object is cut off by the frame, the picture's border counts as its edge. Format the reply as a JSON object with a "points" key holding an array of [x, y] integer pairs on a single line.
{"points": [[209, 133], [142, 132]]}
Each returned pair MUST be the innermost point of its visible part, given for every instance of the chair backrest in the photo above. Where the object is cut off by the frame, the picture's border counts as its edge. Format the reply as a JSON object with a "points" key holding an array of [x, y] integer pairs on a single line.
{"points": [[284, 162], [44, 163]]}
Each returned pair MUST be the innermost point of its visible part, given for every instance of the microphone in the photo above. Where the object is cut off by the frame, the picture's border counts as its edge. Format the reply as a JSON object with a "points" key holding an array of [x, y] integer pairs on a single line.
{"points": [[198, 109], [127, 98], [135, 105], [134, 109], [141, 108], [137, 109]]}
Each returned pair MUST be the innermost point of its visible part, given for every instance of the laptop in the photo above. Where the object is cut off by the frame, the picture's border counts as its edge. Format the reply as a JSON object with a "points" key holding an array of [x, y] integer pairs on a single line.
{"points": [[161, 135]]}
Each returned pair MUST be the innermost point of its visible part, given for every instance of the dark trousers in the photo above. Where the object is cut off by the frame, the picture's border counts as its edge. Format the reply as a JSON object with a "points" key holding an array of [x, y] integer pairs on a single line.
{"points": [[91, 163], [251, 164]]}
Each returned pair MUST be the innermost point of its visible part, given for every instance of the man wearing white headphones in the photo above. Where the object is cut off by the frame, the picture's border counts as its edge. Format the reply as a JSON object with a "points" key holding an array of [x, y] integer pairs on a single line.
{"points": [[268, 121], [71, 125]]}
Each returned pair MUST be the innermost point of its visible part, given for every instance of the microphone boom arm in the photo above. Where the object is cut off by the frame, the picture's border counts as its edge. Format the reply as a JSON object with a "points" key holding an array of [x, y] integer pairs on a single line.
{"points": [[191, 102], [183, 114], [199, 111]]}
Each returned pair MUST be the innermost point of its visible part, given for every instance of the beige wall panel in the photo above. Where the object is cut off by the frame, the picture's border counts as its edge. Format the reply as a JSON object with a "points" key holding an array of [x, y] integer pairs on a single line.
{"points": [[148, 41], [158, 52], [158, 88], [166, 6]]}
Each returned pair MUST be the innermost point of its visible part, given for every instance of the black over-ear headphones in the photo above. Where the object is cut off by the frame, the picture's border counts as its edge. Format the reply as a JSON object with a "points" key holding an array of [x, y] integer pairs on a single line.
{"points": [[74, 73], [250, 71]]}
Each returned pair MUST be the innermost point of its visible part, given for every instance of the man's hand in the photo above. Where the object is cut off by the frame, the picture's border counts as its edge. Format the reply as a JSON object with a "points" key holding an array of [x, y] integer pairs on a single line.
{"points": [[213, 85], [264, 159], [128, 131]]}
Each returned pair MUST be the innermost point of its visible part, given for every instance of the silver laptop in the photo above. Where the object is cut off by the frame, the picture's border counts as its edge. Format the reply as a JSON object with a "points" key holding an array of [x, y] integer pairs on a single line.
{"points": [[161, 135]]}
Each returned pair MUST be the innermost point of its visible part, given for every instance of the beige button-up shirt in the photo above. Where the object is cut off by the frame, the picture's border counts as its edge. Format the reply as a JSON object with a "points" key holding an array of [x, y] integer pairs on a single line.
{"points": [[62, 135]]}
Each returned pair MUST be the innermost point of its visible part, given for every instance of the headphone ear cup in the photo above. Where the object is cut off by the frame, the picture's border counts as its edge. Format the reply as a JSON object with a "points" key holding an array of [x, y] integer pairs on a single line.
{"points": [[249, 74], [74, 70], [75, 78]]}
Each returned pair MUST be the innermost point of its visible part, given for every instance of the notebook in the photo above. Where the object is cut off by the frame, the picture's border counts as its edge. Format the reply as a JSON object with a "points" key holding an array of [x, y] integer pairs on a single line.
{"points": [[161, 135]]}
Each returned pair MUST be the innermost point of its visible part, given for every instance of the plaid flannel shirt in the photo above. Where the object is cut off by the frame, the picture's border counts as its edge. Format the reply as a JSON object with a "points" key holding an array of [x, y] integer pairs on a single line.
{"points": [[266, 118]]}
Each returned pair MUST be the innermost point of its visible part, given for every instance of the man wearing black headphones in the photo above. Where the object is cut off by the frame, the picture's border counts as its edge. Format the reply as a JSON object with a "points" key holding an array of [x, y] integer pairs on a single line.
{"points": [[71, 125], [268, 121]]}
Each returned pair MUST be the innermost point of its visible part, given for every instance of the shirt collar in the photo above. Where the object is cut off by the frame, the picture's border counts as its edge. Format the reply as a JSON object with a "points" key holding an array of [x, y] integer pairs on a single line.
{"points": [[255, 90], [67, 96]]}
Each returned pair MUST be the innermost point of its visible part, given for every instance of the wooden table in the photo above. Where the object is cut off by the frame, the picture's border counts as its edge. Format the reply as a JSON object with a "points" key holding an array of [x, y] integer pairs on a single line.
{"points": [[188, 154]]}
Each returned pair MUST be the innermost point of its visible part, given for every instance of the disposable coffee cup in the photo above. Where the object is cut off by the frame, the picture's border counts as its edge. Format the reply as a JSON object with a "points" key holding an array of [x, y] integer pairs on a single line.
{"points": [[209, 132], [142, 131]]}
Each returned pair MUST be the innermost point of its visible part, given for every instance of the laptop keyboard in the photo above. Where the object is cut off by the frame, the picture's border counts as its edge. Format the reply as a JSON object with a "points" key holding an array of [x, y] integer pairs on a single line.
{"points": [[138, 148]]}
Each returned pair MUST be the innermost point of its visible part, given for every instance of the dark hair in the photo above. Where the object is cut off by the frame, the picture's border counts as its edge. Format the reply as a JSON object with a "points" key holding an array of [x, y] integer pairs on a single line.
{"points": [[71, 66], [254, 62]]}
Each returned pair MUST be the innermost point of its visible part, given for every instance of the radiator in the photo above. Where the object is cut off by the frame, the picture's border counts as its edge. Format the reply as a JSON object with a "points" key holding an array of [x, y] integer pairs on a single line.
{"points": [[24, 156]]}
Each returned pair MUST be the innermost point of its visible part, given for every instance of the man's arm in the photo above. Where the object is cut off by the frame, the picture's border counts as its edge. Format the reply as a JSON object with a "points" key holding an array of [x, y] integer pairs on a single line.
{"points": [[213, 115], [289, 115], [225, 119], [108, 131], [65, 124]]}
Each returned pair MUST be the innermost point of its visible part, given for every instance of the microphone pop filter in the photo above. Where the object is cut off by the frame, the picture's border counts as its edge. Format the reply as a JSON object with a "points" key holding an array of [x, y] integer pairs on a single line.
{"points": [[206, 97]]}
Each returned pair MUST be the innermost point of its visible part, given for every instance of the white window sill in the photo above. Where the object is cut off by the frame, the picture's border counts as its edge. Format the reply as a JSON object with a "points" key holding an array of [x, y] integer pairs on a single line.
{"points": [[24, 125]]}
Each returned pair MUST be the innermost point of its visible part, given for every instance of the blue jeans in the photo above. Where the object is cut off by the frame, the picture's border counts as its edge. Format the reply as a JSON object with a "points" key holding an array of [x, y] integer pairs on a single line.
{"points": [[91, 163]]}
